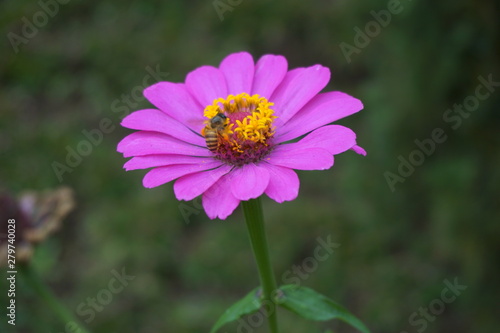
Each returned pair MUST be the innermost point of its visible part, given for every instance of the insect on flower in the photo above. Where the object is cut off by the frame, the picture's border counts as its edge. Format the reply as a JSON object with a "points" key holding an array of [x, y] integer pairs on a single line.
{"points": [[213, 129]]}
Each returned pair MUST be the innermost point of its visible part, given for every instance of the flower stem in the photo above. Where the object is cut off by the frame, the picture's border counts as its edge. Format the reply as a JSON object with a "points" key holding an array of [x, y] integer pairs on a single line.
{"points": [[50, 299], [257, 233]]}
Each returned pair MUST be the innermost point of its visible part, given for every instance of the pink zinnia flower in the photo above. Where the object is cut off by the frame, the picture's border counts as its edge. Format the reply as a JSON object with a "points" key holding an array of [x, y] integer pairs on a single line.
{"points": [[225, 133]]}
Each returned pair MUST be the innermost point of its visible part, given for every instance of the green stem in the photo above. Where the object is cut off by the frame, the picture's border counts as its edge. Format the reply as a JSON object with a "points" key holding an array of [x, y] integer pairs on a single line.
{"points": [[257, 232], [50, 299]]}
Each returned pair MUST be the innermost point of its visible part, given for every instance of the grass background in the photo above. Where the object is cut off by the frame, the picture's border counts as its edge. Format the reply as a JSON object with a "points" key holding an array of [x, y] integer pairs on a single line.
{"points": [[396, 248]]}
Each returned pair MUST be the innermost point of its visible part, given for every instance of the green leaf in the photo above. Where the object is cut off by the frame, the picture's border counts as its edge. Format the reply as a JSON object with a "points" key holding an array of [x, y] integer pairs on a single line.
{"points": [[247, 305], [309, 304]]}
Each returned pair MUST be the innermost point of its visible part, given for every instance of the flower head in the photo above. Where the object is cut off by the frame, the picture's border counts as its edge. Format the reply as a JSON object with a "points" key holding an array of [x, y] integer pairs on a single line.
{"points": [[32, 217], [225, 133]]}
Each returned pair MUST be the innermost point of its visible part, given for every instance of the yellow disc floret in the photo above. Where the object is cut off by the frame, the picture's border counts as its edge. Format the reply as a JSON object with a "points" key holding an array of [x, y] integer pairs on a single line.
{"points": [[248, 129]]}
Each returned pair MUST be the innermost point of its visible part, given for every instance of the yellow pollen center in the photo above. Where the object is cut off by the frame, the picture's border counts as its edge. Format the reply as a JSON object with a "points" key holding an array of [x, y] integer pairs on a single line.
{"points": [[247, 127]]}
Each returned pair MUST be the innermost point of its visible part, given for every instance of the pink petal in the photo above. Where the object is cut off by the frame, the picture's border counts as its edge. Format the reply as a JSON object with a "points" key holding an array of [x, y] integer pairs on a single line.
{"points": [[150, 161], [283, 183], [218, 200], [359, 150], [298, 87], [249, 181], [174, 99], [206, 83], [162, 175], [269, 72], [238, 69], [321, 110], [148, 143], [190, 186], [302, 159], [158, 121], [335, 139]]}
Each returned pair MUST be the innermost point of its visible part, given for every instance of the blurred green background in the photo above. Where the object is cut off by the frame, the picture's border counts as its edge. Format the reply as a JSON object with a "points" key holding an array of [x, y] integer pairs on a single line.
{"points": [[396, 247]]}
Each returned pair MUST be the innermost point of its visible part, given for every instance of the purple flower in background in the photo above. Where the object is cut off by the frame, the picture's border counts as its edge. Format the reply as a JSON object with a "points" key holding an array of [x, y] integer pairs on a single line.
{"points": [[226, 132]]}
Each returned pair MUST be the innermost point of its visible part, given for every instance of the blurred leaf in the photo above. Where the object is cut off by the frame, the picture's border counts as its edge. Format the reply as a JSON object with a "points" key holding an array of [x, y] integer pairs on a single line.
{"points": [[247, 305], [309, 304]]}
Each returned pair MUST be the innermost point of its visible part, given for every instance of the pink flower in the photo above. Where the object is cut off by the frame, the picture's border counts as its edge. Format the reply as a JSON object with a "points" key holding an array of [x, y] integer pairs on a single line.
{"points": [[225, 133]]}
